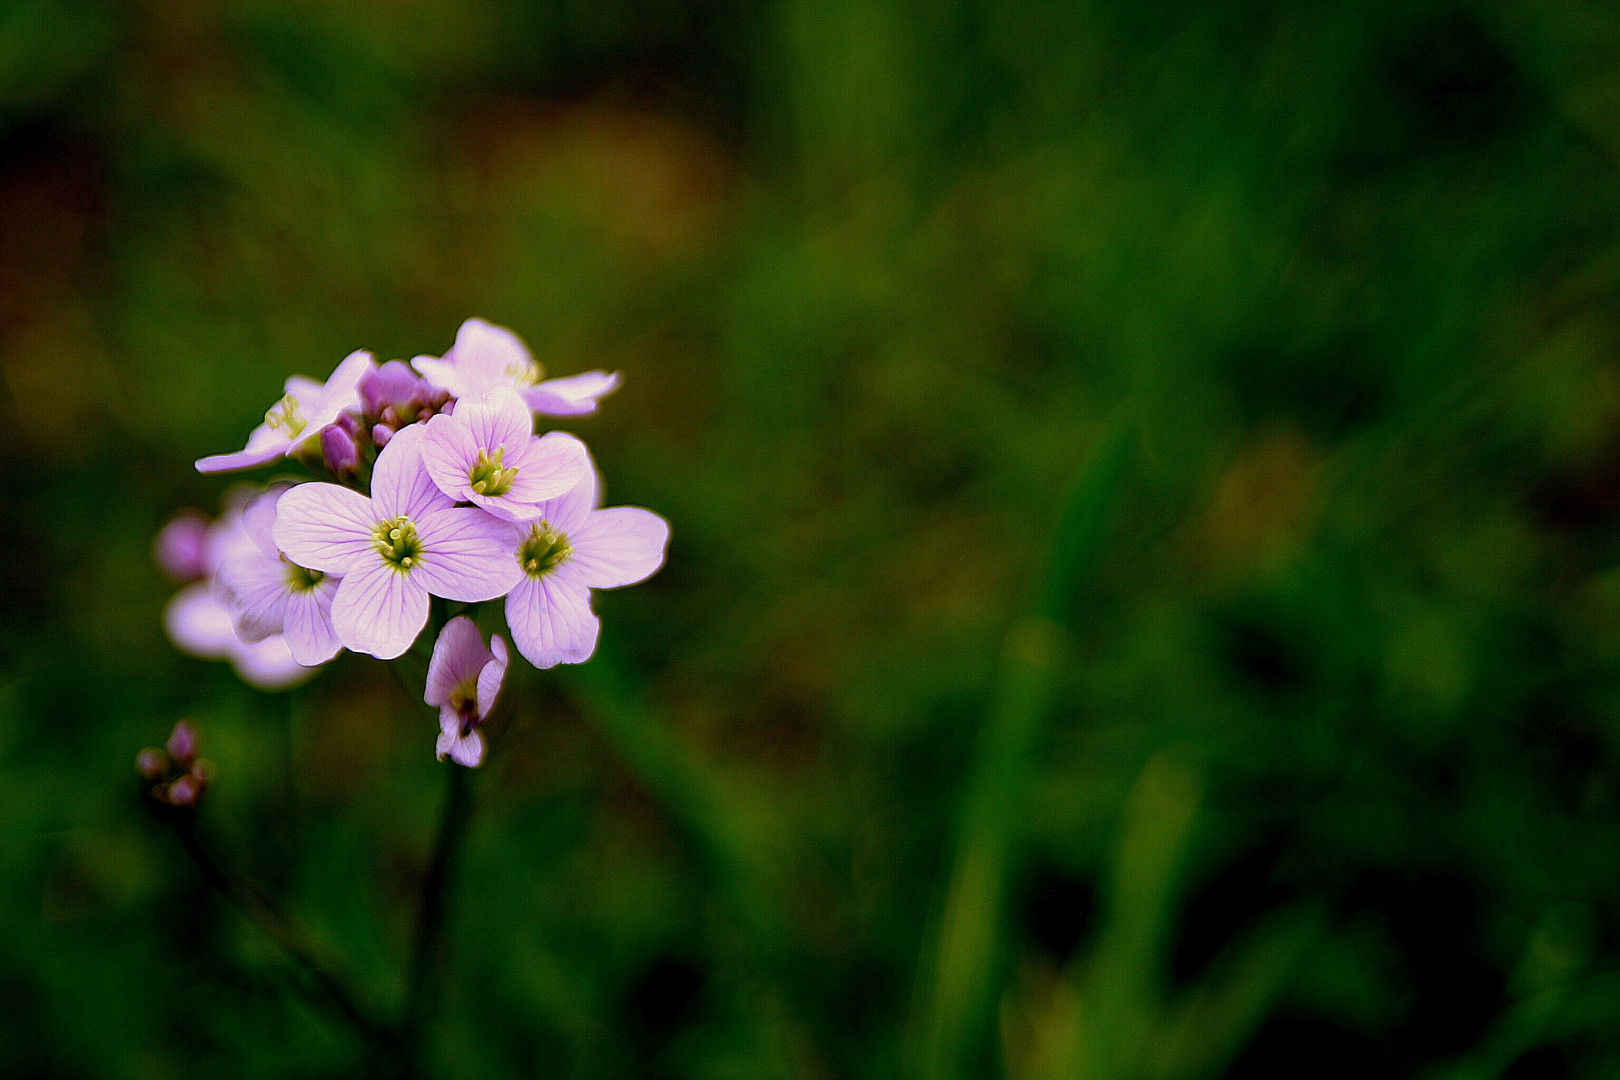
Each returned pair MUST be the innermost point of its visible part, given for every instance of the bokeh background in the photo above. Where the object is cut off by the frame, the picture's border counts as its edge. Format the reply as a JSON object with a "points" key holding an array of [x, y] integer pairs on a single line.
{"points": [[1145, 478]]}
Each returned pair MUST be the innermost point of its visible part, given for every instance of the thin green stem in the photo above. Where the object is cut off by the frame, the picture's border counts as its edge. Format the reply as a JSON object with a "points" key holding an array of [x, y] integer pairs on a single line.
{"points": [[316, 980], [427, 952]]}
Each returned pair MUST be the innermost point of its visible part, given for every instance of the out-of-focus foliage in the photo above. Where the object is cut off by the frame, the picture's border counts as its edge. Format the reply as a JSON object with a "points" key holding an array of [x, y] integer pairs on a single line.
{"points": [[1290, 748]]}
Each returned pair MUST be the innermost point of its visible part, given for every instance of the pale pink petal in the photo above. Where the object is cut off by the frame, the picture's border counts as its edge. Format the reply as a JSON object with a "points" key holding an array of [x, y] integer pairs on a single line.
{"points": [[491, 678], [226, 536], [269, 665], [489, 357], [440, 374], [618, 546], [458, 656], [199, 624], [467, 555], [465, 750], [551, 621], [448, 454], [342, 389], [325, 527], [378, 610], [500, 419], [308, 621], [259, 518], [254, 590], [304, 390], [569, 510], [547, 467], [264, 445], [575, 395], [400, 486]]}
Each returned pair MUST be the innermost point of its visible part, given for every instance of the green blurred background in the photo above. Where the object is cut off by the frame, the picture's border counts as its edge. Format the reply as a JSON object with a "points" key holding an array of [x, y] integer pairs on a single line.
{"points": [[1145, 478]]}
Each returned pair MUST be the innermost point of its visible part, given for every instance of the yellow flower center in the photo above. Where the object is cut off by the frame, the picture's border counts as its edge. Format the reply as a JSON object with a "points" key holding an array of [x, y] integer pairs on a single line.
{"points": [[396, 541], [488, 477], [287, 417], [543, 550], [299, 578]]}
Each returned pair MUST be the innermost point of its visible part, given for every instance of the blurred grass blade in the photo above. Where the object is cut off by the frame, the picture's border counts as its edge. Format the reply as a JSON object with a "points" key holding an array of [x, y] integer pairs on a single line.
{"points": [[1121, 980], [959, 982], [1206, 1030]]}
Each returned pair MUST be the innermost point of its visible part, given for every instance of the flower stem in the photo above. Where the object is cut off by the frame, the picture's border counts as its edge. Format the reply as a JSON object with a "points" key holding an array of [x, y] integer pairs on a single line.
{"points": [[427, 955], [318, 982]]}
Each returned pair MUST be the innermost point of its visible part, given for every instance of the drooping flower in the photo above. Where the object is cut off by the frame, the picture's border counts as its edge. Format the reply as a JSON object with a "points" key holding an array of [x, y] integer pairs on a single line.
{"points": [[268, 594], [464, 679], [306, 408], [486, 453], [393, 549], [486, 358], [568, 549], [199, 624]]}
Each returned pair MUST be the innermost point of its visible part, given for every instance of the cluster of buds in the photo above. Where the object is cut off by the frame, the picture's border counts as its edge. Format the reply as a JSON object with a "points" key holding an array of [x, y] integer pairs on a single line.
{"points": [[176, 775]]}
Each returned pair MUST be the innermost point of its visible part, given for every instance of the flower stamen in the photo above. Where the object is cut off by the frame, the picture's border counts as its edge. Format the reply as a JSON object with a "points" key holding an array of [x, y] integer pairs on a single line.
{"points": [[395, 539], [300, 578], [543, 550], [488, 476], [286, 416]]}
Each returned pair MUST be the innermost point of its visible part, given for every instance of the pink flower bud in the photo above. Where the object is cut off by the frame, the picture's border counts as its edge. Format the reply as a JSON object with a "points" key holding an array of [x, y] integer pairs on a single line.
{"points": [[179, 546], [393, 386], [152, 763], [339, 449], [182, 744], [381, 434], [186, 791]]}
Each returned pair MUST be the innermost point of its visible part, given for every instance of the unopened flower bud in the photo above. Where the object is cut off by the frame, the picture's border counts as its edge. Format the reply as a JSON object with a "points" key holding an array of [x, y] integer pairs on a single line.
{"points": [[339, 449], [391, 417], [179, 546], [152, 763], [381, 434], [351, 423], [393, 386], [182, 744], [186, 791]]}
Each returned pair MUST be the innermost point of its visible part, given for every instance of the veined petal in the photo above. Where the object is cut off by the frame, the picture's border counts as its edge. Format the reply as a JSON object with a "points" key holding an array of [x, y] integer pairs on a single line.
{"points": [[259, 518], [379, 610], [264, 445], [342, 389], [498, 419], [551, 621], [304, 390], [489, 357], [254, 590], [548, 466], [493, 676], [440, 374], [326, 527], [449, 453], [568, 511], [458, 656], [400, 484], [574, 395], [467, 555], [465, 750], [618, 546], [269, 665], [308, 622]]}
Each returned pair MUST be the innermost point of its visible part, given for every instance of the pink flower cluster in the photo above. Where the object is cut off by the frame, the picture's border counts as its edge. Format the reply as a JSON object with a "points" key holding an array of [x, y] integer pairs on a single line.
{"points": [[437, 485]]}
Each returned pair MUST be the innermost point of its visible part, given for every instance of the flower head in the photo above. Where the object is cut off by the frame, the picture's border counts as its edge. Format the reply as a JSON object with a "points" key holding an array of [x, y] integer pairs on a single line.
{"points": [[487, 358], [486, 453], [306, 408], [392, 550], [268, 594], [568, 549], [464, 678]]}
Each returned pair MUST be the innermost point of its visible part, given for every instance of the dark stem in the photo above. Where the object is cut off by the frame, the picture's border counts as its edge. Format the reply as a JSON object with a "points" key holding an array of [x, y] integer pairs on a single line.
{"points": [[317, 981], [427, 954]]}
